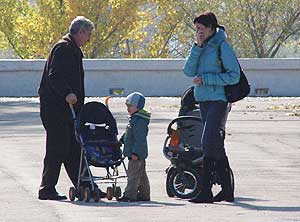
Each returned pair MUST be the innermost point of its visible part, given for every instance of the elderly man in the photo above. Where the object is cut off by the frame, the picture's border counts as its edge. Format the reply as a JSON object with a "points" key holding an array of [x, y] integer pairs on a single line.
{"points": [[62, 84]]}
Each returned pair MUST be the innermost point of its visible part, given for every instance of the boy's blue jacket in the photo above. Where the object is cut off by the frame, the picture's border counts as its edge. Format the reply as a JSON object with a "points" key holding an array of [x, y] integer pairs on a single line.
{"points": [[135, 137], [203, 61]]}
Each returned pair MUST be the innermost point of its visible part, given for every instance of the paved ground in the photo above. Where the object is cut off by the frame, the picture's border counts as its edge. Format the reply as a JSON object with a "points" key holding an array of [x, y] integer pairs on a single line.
{"points": [[263, 144]]}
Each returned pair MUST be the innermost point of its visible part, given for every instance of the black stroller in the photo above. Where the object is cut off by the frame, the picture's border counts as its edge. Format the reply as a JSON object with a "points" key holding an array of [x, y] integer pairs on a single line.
{"points": [[96, 132], [183, 148]]}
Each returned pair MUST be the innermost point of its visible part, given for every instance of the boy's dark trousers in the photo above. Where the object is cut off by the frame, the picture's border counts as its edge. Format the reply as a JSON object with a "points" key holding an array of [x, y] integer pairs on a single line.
{"points": [[138, 187]]}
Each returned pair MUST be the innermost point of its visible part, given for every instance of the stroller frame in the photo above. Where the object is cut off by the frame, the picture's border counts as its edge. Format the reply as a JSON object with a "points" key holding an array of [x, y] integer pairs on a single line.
{"points": [[85, 175], [185, 173]]}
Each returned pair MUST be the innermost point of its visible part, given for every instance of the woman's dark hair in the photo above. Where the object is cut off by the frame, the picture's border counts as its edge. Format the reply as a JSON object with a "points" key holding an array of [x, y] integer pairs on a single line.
{"points": [[208, 19]]}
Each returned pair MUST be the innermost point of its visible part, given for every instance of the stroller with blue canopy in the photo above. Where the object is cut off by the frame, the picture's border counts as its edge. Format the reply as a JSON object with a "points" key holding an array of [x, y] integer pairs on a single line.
{"points": [[96, 132]]}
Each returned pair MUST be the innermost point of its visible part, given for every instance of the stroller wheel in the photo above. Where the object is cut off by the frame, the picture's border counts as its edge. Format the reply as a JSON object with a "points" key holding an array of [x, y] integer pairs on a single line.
{"points": [[109, 193], [87, 194], [231, 180], [185, 184], [96, 195], [168, 182], [80, 193], [168, 189], [118, 192], [72, 193]]}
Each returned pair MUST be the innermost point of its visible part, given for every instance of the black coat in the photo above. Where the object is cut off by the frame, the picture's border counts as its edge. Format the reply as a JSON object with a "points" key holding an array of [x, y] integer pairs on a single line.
{"points": [[63, 74]]}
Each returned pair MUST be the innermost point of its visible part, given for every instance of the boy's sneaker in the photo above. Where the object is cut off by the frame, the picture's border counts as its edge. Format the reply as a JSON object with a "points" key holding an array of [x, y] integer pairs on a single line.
{"points": [[125, 199]]}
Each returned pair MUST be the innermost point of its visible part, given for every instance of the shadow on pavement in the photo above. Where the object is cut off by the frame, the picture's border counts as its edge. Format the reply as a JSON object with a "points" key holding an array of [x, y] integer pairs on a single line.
{"points": [[241, 202], [124, 204]]}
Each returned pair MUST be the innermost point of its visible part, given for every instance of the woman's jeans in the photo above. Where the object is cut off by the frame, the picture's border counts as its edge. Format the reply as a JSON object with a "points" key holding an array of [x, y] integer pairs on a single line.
{"points": [[213, 114]]}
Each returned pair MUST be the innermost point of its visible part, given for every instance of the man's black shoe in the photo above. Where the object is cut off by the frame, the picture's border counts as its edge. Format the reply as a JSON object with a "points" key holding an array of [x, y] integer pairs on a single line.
{"points": [[52, 196]]}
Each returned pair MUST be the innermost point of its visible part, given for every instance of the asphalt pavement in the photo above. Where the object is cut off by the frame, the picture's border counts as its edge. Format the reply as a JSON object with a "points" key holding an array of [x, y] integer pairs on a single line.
{"points": [[262, 142]]}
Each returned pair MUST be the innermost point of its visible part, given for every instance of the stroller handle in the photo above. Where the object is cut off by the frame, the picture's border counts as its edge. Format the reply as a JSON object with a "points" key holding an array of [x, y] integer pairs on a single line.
{"points": [[73, 111], [181, 118]]}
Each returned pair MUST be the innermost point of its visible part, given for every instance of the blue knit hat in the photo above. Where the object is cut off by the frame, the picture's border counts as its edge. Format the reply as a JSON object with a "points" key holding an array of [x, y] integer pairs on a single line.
{"points": [[136, 99]]}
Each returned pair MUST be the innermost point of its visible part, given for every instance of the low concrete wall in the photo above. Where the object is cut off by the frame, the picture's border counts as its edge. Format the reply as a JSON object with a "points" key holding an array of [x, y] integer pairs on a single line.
{"points": [[153, 77]]}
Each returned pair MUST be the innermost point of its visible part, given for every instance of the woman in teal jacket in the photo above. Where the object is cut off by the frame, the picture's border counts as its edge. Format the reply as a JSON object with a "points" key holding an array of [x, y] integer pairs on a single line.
{"points": [[203, 64]]}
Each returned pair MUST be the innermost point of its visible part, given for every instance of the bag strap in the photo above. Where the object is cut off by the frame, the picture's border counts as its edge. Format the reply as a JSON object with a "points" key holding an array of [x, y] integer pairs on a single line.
{"points": [[221, 62], [220, 58]]}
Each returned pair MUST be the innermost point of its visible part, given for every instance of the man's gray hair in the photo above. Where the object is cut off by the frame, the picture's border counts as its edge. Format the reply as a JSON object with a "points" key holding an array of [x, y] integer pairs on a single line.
{"points": [[80, 22]]}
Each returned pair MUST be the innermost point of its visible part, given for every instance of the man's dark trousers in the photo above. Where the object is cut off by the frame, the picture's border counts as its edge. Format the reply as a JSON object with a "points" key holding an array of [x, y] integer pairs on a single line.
{"points": [[61, 146]]}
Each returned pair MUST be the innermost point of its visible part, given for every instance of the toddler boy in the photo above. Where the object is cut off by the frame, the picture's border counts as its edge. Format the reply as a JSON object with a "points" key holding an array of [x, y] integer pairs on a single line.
{"points": [[136, 149]]}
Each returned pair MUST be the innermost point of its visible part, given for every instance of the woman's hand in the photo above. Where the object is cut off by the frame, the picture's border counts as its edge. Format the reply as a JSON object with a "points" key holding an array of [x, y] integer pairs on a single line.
{"points": [[199, 38], [198, 80]]}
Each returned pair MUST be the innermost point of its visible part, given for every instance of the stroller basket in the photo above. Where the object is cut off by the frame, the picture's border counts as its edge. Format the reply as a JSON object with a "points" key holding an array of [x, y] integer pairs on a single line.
{"points": [[103, 154]]}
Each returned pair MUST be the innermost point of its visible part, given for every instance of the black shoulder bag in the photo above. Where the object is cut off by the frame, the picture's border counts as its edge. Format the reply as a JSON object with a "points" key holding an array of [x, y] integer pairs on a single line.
{"points": [[237, 91]]}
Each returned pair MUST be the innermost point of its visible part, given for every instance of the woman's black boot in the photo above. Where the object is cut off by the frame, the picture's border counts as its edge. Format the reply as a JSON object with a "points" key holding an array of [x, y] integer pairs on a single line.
{"points": [[206, 195], [223, 169]]}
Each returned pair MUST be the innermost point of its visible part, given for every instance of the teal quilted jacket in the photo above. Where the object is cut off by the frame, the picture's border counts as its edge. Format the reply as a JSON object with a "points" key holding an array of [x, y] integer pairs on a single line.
{"points": [[203, 61]]}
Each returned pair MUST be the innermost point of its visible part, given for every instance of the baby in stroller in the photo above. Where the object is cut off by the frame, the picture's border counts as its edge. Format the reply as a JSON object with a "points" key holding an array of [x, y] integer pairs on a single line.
{"points": [[96, 132], [183, 148]]}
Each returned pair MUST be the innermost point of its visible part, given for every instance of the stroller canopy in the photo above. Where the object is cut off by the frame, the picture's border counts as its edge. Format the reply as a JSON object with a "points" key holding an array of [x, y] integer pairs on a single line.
{"points": [[96, 113]]}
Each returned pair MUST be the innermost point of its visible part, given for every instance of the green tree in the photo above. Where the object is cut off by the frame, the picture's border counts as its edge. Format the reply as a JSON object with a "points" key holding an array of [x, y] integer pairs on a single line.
{"points": [[11, 14], [255, 28], [174, 31], [31, 30], [261, 27], [118, 24]]}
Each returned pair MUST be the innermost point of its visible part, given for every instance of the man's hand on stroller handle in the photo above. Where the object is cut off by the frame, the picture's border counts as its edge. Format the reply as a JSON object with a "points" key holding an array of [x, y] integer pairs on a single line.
{"points": [[71, 98]]}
